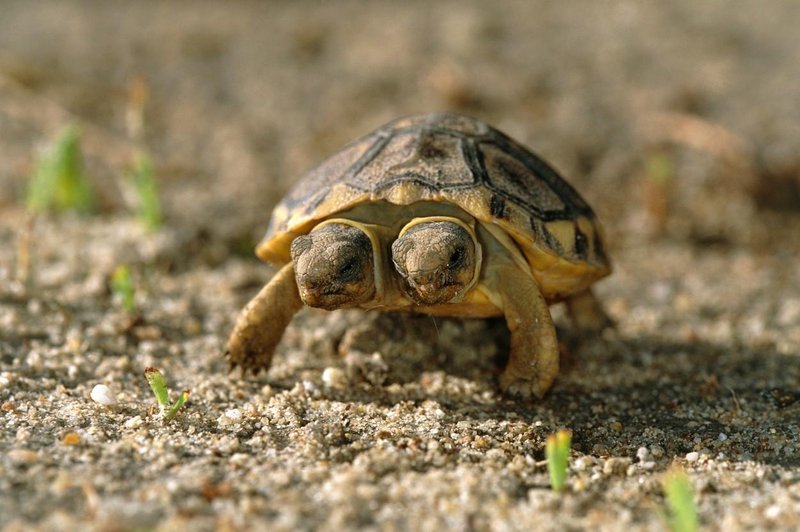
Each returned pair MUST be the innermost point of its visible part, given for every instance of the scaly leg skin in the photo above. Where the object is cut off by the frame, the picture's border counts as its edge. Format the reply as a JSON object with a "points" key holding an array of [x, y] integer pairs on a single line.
{"points": [[533, 360], [587, 313], [261, 323]]}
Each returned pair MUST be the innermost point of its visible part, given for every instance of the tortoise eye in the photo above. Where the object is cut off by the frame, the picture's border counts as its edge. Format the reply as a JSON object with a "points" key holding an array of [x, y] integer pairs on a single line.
{"points": [[348, 270], [457, 257]]}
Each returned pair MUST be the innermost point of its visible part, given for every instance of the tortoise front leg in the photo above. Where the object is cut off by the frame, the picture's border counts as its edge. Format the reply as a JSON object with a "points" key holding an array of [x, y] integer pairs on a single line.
{"points": [[587, 313], [261, 323], [533, 359]]}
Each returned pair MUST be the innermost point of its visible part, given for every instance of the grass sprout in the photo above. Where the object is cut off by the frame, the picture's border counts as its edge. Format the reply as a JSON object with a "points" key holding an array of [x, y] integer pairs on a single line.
{"points": [[557, 454], [123, 288], [146, 188], [159, 386], [58, 182], [682, 512]]}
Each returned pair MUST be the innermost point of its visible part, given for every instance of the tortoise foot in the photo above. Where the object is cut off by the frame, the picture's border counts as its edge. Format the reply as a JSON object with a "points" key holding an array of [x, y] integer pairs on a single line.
{"points": [[522, 387]]}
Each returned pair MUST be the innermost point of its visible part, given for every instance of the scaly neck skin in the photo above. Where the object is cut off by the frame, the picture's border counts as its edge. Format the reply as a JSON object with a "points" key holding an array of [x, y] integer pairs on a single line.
{"points": [[499, 249]]}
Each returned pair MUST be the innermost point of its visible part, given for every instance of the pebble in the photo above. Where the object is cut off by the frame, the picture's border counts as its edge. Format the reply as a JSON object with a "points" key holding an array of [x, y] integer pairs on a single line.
{"points": [[22, 456], [71, 438], [102, 394], [334, 378], [642, 453], [134, 422], [693, 456], [230, 417], [616, 466], [583, 463], [228, 444], [657, 451], [22, 435]]}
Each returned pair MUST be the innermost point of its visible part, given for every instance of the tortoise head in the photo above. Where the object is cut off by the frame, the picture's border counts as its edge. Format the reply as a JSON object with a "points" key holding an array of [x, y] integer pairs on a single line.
{"points": [[334, 266], [438, 259]]}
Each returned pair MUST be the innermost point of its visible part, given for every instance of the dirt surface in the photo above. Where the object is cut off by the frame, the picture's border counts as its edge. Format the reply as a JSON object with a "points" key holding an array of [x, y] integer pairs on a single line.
{"points": [[678, 121]]}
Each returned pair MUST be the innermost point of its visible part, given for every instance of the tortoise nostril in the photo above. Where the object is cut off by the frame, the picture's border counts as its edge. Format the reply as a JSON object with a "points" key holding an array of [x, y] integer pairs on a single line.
{"points": [[423, 277]]}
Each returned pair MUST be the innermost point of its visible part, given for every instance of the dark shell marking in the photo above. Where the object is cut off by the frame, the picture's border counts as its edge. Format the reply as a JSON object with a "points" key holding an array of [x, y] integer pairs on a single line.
{"points": [[445, 153]]}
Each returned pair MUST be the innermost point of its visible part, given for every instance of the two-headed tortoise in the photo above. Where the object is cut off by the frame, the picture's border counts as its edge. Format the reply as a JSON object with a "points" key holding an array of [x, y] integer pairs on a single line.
{"points": [[439, 214]]}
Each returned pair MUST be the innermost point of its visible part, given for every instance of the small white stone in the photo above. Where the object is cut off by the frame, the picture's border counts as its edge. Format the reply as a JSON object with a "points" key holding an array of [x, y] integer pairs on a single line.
{"points": [[496, 455], [239, 459], [642, 453], [230, 417], [693, 456], [723, 436], [23, 435], [228, 444], [334, 378], [582, 463], [134, 422], [22, 456], [773, 512], [102, 394]]}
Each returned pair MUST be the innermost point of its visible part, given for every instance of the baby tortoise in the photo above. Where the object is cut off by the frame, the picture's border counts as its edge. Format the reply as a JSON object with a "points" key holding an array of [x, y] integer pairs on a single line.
{"points": [[439, 214]]}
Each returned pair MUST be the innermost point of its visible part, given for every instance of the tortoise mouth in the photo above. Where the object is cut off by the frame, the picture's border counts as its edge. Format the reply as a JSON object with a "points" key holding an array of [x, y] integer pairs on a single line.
{"points": [[328, 299], [426, 292], [330, 294]]}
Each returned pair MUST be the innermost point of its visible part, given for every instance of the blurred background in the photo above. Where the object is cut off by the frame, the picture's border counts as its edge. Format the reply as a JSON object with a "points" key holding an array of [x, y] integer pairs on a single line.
{"points": [[676, 120]]}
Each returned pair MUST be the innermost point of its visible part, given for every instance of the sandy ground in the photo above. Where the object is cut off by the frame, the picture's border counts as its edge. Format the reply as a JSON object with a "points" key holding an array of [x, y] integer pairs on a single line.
{"points": [[678, 121]]}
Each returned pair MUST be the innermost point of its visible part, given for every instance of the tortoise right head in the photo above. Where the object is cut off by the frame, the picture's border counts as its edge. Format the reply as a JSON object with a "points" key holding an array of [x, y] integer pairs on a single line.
{"points": [[437, 258], [334, 266]]}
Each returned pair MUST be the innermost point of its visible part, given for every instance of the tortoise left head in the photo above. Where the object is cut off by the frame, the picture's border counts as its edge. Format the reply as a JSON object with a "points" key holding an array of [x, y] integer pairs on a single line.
{"points": [[334, 267]]}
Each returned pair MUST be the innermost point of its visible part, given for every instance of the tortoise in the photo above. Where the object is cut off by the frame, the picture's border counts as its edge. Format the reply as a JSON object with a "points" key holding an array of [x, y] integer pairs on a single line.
{"points": [[439, 214]]}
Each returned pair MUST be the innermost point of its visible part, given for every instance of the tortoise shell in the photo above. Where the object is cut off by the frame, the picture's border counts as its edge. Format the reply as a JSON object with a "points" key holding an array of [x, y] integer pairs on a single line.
{"points": [[447, 158]]}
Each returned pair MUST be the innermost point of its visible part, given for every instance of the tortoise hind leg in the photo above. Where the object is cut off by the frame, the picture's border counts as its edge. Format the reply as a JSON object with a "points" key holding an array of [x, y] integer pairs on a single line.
{"points": [[533, 359], [261, 323], [587, 312]]}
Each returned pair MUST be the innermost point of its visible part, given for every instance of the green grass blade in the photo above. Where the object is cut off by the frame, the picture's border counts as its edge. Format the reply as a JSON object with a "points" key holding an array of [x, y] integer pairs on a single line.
{"points": [[146, 186], [58, 181], [680, 502], [557, 455], [159, 386], [122, 286], [182, 398], [42, 186]]}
